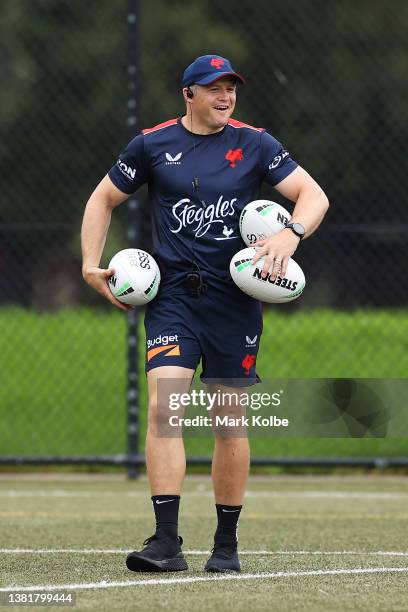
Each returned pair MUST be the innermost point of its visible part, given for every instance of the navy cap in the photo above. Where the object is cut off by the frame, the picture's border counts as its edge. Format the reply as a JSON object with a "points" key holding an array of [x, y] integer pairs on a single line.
{"points": [[207, 69]]}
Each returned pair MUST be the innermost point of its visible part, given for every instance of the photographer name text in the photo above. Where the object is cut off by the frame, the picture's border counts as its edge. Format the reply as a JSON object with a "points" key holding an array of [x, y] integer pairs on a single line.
{"points": [[228, 421]]}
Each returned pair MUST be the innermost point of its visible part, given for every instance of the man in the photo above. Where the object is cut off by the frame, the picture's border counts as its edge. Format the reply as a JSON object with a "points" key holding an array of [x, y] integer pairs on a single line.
{"points": [[201, 169]]}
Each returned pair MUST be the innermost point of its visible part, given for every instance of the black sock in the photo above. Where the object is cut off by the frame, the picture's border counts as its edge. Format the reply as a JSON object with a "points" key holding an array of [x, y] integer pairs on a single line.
{"points": [[166, 509], [228, 517]]}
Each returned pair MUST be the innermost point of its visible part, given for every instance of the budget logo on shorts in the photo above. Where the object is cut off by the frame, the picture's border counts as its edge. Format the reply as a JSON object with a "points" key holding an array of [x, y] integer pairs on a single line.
{"points": [[166, 344]]}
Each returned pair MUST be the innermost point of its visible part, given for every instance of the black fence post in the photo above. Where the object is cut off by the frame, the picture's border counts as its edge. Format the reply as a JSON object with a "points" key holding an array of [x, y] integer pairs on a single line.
{"points": [[134, 241]]}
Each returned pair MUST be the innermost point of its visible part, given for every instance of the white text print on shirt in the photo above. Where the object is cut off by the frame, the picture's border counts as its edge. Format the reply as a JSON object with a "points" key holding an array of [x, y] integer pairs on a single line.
{"points": [[199, 220]]}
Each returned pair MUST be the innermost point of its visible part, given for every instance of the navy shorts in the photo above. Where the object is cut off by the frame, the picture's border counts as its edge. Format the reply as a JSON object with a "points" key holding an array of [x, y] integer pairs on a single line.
{"points": [[223, 333]]}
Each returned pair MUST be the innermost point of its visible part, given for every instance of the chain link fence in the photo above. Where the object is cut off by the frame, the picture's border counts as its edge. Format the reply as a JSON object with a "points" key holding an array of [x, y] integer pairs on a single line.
{"points": [[327, 78]]}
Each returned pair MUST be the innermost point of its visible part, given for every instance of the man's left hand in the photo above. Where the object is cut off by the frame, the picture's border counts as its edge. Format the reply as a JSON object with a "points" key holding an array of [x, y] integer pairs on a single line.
{"points": [[276, 249]]}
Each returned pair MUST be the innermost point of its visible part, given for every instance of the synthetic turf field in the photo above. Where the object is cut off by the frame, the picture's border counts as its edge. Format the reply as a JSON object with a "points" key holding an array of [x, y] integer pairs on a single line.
{"points": [[320, 543]]}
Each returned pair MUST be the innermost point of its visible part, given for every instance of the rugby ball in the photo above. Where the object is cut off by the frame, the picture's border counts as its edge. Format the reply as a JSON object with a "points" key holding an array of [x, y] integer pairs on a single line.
{"points": [[136, 279], [260, 219], [248, 278]]}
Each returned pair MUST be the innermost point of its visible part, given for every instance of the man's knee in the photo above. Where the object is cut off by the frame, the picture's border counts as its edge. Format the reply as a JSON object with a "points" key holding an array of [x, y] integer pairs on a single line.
{"points": [[159, 421]]}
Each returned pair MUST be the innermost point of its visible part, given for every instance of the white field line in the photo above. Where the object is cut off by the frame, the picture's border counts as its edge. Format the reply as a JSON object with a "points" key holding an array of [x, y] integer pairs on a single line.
{"points": [[124, 551], [199, 478], [154, 581], [249, 494]]}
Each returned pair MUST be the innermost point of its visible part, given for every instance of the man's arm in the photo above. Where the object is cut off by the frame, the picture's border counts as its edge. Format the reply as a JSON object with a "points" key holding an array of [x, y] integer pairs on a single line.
{"points": [[311, 201], [311, 206], [95, 227]]}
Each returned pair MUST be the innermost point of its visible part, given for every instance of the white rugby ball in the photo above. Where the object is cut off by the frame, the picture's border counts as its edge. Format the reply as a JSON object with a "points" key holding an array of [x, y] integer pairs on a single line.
{"points": [[260, 219], [248, 278], [136, 279]]}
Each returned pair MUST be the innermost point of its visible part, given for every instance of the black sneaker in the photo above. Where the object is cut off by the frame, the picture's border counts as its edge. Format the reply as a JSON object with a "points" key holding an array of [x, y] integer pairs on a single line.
{"points": [[161, 554], [224, 556]]}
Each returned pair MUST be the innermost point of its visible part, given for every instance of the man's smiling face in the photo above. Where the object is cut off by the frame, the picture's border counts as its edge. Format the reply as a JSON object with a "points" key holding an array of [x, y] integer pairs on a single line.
{"points": [[213, 104]]}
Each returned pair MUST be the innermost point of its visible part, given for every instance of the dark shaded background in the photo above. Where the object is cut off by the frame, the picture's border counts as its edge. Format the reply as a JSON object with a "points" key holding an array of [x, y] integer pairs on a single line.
{"points": [[327, 78]]}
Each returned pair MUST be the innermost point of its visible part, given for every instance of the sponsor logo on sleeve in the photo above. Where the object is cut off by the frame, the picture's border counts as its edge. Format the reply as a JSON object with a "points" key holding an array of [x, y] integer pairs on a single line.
{"points": [[277, 160], [126, 170]]}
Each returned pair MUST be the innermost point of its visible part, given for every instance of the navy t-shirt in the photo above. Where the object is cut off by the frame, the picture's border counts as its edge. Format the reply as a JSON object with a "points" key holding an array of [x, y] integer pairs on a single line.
{"points": [[198, 186]]}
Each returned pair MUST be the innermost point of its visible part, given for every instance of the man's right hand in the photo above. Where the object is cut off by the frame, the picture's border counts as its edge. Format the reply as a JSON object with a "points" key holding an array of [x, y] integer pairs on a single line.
{"points": [[97, 278]]}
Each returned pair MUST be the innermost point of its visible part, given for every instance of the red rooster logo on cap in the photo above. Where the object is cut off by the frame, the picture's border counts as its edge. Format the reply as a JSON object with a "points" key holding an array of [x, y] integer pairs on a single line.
{"points": [[217, 62]]}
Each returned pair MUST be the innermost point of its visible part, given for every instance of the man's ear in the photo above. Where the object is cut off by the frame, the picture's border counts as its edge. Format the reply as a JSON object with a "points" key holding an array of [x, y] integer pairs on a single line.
{"points": [[188, 94]]}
